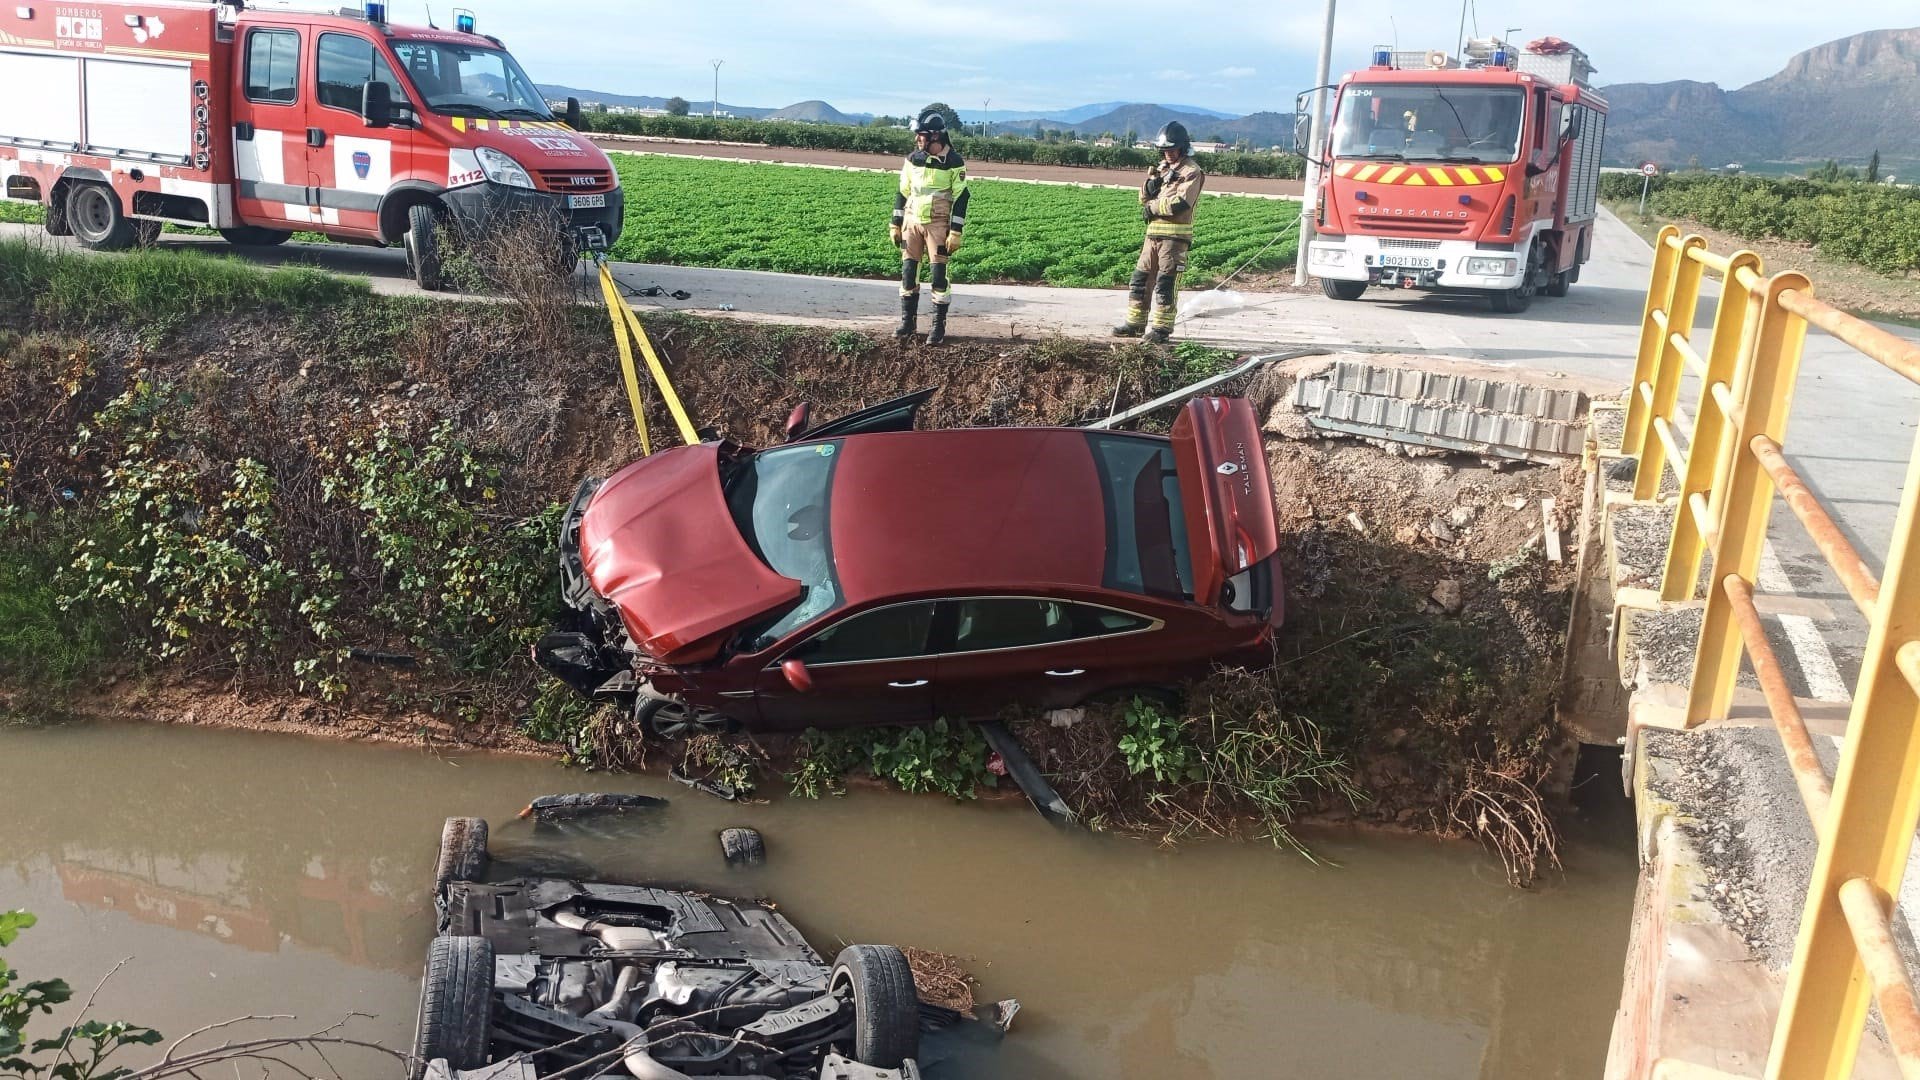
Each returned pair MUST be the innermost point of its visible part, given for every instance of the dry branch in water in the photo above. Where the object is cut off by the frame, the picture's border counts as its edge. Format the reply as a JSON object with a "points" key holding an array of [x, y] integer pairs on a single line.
{"points": [[940, 979]]}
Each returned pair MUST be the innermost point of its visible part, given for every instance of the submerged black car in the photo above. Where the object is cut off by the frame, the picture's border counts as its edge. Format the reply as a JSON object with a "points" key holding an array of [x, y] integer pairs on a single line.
{"points": [[543, 977]]}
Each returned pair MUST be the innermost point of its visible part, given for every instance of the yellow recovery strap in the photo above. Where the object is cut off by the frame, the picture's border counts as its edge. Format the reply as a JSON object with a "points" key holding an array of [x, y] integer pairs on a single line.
{"points": [[626, 331]]}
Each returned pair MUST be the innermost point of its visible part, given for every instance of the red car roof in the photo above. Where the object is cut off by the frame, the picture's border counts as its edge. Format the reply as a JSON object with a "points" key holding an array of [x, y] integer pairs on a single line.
{"points": [[966, 508]]}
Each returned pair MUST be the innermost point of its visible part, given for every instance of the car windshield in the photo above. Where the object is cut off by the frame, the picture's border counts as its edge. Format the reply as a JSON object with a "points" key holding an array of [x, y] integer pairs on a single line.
{"points": [[1407, 122], [464, 80], [778, 499], [1146, 526]]}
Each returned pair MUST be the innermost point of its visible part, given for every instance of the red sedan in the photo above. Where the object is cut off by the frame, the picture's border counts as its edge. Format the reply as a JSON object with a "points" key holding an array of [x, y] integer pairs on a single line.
{"points": [[869, 573]]}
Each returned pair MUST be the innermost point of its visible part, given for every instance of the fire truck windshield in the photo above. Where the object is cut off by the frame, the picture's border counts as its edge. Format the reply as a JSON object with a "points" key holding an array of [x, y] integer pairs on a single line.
{"points": [[462, 80], [1409, 122]]}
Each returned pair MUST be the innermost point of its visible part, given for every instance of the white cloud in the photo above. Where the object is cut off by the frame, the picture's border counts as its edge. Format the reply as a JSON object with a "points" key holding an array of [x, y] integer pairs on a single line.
{"points": [[1173, 75], [1237, 73]]}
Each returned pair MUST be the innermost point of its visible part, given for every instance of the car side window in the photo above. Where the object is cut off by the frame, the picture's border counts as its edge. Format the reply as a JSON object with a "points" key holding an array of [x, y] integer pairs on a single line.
{"points": [[347, 62], [888, 633], [1091, 621], [273, 66], [1008, 623]]}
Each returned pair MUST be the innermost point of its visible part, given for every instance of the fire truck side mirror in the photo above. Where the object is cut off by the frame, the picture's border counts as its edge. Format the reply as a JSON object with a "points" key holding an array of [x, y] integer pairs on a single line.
{"points": [[376, 104], [573, 113]]}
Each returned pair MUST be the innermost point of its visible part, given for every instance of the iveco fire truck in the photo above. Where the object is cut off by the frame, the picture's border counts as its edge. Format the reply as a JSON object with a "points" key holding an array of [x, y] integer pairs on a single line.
{"points": [[261, 121], [1478, 174]]}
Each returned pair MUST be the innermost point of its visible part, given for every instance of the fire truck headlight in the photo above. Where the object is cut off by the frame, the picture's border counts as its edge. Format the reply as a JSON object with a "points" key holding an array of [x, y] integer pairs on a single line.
{"points": [[502, 169], [1329, 256], [1490, 267]]}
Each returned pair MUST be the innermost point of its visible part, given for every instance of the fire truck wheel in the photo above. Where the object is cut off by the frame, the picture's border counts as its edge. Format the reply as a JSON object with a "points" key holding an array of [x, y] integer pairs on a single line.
{"points": [[55, 219], [1560, 283], [93, 213], [1516, 300], [1343, 290], [423, 245], [253, 236]]}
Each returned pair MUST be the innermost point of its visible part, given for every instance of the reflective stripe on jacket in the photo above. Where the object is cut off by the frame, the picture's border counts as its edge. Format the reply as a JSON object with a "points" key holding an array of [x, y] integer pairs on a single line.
{"points": [[932, 187], [1180, 185]]}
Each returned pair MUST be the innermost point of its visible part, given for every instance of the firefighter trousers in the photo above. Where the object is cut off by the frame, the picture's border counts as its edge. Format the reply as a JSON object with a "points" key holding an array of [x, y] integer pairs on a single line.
{"points": [[927, 239], [1156, 277]]}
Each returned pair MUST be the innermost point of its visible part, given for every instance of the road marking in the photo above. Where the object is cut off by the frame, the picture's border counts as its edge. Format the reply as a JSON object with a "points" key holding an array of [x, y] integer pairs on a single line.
{"points": [[1809, 645]]}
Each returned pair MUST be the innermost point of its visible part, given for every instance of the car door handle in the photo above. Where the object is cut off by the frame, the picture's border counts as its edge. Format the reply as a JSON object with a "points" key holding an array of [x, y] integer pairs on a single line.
{"points": [[908, 685], [1062, 673]]}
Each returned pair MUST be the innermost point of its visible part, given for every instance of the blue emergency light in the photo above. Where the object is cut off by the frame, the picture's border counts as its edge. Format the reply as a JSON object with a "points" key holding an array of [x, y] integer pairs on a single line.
{"points": [[1500, 57], [463, 20], [376, 12], [1382, 56]]}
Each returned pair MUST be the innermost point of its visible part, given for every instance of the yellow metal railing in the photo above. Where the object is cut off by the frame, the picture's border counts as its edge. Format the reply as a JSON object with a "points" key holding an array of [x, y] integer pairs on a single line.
{"points": [[1728, 471]]}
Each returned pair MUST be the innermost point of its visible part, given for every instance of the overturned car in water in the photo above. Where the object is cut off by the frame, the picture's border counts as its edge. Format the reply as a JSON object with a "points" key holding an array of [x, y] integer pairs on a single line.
{"points": [[869, 573], [542, 977]]}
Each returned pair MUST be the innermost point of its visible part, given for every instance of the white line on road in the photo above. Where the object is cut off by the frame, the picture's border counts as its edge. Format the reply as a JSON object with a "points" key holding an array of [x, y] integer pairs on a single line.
{"points": [[1809, 645]]}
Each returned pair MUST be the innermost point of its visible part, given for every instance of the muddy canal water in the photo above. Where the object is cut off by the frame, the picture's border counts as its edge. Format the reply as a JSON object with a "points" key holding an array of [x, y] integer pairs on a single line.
{"points": [[248, 873]]}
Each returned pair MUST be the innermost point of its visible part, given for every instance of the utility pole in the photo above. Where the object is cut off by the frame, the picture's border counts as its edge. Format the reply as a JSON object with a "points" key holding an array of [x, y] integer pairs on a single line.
{"points": [[984, 102], [1317, 140], [713, 111]]}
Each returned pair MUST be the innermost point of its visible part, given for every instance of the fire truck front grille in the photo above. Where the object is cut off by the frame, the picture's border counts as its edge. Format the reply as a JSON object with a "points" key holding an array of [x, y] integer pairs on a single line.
{"points": [[1413, 225], [1415, 245], [576, 181]]}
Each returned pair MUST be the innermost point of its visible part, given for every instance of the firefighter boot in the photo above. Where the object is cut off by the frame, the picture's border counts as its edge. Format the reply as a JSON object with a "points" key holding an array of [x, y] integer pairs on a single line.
{"points": [[909, 316], [1159, 335], [1136, 323], [938, 335]]}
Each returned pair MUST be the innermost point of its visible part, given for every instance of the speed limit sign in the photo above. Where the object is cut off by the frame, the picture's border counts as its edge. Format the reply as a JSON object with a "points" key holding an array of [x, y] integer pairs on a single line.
{"points": [[1649, 169]]}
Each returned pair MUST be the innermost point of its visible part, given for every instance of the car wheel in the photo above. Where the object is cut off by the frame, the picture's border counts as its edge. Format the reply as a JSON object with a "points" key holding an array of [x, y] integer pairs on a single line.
{"points": [[1342, 290], [463, 852], [94, 215], [743, 847], [423, 246], [456, 1004], [667, 720], [886, 1008], [254, 236]]}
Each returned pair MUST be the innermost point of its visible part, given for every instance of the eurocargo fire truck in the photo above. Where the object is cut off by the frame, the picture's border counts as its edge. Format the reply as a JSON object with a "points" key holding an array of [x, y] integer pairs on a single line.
{"points": [[1479, 175], [261, 121]]}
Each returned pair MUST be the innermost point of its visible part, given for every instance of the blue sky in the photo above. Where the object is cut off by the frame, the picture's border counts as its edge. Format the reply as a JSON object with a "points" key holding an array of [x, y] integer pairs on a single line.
{"points": [[878, 56]]}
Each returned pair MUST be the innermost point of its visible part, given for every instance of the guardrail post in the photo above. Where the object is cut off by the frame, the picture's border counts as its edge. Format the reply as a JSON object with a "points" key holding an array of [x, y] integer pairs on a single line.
{"points": [[1713, 434], [1875, 809], [1666, 253], [1670, 367], [1764, 402]]}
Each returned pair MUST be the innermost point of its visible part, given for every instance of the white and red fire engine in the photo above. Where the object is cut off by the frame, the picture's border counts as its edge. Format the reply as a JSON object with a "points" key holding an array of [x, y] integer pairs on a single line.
{"points": [[1478, 175], [261, 121]]}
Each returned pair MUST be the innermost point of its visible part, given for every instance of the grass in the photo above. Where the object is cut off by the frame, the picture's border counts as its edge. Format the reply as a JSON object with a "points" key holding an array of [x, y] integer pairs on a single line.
{"points": [[692, 212], [157, 285], [37, 639]]}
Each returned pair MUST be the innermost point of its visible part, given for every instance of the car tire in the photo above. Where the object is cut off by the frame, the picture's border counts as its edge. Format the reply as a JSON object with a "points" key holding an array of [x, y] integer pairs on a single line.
{"points": [[423, 246], [463, 852], [254, 236], [743, 847], [1342, 290], [456, 1004], [886, 1008], [94, 215], [669, 720]]}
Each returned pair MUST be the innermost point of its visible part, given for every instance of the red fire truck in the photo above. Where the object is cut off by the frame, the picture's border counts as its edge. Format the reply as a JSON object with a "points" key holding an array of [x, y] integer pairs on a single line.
{"points": [[258, 122], [1478, 175]]}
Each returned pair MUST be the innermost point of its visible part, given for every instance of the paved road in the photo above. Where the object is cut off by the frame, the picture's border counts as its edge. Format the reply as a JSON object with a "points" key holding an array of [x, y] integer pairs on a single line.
{"points": [[1854, 423]]}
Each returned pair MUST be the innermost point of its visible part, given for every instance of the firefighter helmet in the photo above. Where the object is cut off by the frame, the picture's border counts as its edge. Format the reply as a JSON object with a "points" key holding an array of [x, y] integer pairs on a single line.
{"points": [[1173, 134], [930, 123]]}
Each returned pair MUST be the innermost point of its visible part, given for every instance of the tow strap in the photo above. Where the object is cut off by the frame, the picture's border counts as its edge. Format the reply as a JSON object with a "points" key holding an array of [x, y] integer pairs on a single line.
{"points": [[626, 332]]}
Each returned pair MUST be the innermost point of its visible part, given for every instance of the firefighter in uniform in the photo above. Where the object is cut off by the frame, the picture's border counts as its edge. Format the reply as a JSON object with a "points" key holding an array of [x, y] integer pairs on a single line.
{"points": [[1167, 201], [929, 213]]}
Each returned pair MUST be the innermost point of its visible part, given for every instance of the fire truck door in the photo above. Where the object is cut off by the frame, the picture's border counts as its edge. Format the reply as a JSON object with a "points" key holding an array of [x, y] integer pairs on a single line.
{"points": [[269, 128], [353, 164]]}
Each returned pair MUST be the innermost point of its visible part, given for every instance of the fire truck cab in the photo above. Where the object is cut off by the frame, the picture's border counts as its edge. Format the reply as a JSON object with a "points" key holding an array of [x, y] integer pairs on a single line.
{"points": [[1478, 178], [261, 121]]}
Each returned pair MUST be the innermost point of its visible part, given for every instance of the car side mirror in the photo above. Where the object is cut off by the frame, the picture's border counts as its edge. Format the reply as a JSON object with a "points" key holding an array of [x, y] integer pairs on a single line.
{"points": [[573, 113], [797, 421], [376, 104], [797, 675]]}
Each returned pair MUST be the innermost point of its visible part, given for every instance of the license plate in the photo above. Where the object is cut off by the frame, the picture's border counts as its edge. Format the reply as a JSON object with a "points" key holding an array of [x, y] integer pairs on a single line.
{"points": [[583, 202], [1410, 262]]}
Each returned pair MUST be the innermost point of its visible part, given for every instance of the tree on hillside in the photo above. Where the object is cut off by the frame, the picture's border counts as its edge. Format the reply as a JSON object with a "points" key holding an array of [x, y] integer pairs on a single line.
{"points": [[946, 113], [677, 106], [1873, 167]]}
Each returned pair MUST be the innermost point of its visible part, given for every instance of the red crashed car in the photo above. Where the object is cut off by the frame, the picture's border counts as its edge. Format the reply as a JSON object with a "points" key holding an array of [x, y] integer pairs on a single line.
{"points": [[869, 573]]}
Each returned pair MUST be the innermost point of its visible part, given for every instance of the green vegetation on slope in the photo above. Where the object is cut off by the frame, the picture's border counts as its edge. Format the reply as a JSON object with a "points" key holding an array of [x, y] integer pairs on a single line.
{"points": [[693, 212], [1872, 225]]}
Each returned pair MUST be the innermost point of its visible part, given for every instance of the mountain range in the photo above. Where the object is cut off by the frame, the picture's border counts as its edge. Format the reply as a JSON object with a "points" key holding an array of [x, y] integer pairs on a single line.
{"points": [[1841, 100]]}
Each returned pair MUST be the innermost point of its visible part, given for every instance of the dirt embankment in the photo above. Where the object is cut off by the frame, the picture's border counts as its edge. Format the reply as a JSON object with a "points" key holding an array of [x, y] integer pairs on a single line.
{"points": [[411, 456]]}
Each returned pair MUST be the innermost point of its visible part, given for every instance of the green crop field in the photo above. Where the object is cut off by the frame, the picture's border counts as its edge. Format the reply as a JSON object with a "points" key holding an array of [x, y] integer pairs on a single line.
{"points": [[693, 212]]}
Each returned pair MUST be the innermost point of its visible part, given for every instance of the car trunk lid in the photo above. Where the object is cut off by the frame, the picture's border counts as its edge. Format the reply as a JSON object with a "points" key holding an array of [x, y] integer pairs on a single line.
{"points": [[1227, 495], [658, 541]]}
